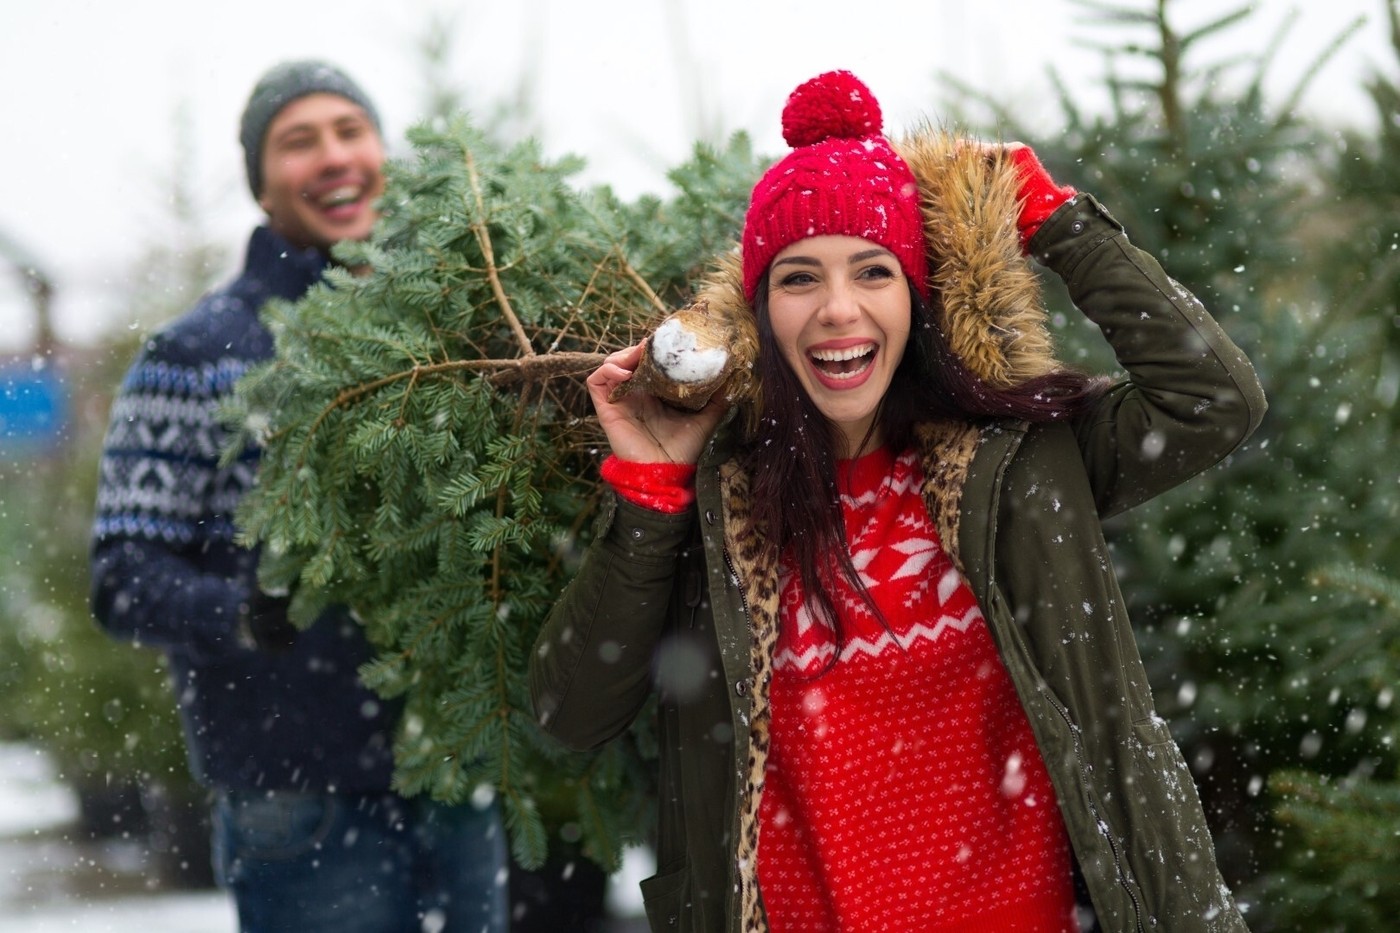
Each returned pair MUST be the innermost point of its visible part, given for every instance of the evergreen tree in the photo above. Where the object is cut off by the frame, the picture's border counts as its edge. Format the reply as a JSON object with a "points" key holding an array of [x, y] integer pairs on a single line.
{"points": [[1342, 832], [429, 449], [100, 709], [1342, 824], [1265, 664]]}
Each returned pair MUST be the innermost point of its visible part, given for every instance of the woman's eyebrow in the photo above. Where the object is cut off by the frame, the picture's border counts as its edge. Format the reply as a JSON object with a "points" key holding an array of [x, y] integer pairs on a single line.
{"points": [[863, 255], [798, 260]]}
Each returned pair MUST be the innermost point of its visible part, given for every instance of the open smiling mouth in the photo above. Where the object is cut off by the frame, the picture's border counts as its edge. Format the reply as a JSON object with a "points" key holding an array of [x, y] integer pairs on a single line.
{"points": [[340, 196], [844, 364]]}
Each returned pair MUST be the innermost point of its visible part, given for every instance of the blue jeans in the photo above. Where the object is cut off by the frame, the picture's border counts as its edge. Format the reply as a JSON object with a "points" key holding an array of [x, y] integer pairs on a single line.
{"points": [[341, 863]]}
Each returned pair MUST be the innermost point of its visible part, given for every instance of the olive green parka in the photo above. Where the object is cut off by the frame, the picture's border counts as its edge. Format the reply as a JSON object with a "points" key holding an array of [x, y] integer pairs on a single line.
{"points": [[686, 605]]}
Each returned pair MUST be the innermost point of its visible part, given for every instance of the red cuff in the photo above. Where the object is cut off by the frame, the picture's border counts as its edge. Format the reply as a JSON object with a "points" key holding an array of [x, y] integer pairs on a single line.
{"points": [[1040, 196], [662, 487]]}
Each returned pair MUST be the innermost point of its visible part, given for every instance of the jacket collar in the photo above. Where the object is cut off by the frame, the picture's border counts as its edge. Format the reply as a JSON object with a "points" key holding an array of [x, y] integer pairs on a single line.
{"points": [[285, 271]]}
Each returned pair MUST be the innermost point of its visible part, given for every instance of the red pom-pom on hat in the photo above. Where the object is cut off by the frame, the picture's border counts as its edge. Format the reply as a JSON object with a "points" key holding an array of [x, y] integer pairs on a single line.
{"points": [[833, 105]]}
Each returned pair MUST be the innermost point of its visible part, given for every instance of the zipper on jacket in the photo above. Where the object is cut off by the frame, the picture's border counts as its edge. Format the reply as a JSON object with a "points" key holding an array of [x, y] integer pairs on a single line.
{"points": [[743, 601], [992, 588], [1104, 829]]}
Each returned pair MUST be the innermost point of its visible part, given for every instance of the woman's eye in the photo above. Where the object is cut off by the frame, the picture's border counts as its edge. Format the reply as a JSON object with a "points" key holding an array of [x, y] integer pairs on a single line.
{"points": [[796, 279], [877, 272]]}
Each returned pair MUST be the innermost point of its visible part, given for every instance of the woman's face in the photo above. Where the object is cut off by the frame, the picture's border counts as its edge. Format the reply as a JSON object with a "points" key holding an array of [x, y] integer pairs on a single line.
{"points": [[840, 311]]}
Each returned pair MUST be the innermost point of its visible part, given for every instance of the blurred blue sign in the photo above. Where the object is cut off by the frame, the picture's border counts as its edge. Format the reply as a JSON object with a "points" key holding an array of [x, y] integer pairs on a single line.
{"points": [[33, 409]]}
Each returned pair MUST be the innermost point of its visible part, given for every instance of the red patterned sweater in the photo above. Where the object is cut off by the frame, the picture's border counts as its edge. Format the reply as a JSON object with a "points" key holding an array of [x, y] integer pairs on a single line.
{"points": [[904, 789]]}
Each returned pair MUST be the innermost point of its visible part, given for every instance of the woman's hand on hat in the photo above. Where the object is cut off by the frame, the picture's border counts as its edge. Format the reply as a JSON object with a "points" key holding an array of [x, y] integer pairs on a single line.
{"points": [[640, 427], [1037, 193]]}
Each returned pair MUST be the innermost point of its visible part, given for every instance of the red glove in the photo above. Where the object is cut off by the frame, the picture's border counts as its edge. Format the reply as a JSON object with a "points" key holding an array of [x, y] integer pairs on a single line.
{"points": [[662, 487], [1040, 196]]}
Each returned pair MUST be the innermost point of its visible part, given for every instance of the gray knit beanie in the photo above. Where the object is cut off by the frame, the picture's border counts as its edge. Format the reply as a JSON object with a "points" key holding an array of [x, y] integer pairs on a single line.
{"points": [[281, 85]]}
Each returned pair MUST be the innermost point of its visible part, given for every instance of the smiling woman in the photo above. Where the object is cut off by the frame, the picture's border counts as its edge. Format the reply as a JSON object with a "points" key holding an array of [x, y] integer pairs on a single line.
{"points": [[867, 567], [840, 313]]}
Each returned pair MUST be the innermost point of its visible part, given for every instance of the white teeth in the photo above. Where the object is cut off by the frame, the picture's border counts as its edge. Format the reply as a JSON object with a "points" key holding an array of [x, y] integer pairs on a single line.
{"points": [[838, 356], [345, 194], [864, 353], [850, 375]]}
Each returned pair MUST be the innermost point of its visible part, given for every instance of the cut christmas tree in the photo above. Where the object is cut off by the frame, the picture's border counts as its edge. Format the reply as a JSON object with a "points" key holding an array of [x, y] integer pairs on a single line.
{"points": [[429, 452]]}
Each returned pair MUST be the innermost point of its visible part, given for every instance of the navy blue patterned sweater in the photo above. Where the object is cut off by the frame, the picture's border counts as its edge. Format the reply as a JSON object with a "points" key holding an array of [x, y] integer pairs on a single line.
{"points": [[167, 572]]}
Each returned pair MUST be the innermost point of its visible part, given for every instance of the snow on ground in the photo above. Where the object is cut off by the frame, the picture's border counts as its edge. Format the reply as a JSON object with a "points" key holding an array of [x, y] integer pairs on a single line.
{"points": [[30, 797], [48, 883], [166, 913], [44, 877]]}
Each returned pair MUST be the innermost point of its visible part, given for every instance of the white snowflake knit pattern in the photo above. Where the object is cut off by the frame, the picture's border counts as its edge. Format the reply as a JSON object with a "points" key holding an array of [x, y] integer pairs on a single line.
{"points": [[161, 473], [904, 791]]}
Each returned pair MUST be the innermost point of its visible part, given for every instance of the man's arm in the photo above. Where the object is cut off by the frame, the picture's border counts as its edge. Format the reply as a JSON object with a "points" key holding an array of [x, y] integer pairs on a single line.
{"points": [[165, 569]]}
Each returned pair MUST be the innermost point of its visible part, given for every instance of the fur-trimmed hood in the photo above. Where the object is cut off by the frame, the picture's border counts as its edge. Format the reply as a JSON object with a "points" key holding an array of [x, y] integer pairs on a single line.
{"points": [[986, 297]]}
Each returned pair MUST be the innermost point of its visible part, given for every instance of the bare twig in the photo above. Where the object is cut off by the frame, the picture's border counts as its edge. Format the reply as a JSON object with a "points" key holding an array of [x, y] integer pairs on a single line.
{"points": [[484, 239], [635, 277]]}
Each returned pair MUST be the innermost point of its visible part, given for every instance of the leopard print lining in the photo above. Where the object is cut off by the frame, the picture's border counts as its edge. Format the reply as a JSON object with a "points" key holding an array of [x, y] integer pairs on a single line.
{"points": [[946, 449], [757, 568]]}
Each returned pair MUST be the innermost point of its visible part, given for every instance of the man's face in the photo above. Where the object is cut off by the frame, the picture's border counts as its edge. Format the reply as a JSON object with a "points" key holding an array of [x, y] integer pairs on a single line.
{"points": [[321, 164]]}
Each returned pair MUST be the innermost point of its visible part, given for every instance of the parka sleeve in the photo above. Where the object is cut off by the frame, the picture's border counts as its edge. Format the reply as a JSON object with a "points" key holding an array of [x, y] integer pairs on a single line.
{"points": [[591, 668], [1190, 398]]}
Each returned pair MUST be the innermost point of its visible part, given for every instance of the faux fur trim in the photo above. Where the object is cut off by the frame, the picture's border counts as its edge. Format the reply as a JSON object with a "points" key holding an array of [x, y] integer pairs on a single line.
{"points": [[723, 288], [990, 301]]}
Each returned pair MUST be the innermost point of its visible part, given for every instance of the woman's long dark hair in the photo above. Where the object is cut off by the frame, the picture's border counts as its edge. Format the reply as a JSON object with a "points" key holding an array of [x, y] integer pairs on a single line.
{"points": [[791, 459]]}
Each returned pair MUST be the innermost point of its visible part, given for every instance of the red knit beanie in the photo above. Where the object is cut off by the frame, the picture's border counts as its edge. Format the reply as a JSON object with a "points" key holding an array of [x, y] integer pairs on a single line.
{"points": [[842, 178]]}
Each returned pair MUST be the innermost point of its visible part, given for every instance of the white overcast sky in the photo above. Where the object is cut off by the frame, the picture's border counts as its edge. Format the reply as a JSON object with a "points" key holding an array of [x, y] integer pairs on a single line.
{"points": [[89, 90]]}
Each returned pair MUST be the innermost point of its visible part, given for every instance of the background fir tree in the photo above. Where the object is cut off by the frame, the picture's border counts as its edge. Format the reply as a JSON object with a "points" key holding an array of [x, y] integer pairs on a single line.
{"points": [[1277, 680], [430, 452], [1342, 832], [1341, 824], [102, 709]]}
